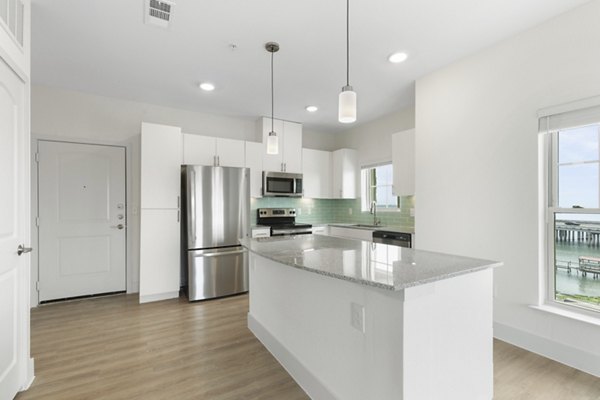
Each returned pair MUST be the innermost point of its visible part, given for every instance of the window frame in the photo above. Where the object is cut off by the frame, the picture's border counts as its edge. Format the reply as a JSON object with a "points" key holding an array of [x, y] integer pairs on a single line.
{"points": [[551, 205], [365, 190]]}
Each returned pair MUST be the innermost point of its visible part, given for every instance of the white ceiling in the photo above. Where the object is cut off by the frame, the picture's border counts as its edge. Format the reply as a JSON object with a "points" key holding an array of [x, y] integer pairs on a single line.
{"points": [[103, 47]]}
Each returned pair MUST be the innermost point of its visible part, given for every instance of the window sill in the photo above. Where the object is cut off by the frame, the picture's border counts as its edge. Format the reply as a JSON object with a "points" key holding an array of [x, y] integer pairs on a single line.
{"points": [[578, 316]]}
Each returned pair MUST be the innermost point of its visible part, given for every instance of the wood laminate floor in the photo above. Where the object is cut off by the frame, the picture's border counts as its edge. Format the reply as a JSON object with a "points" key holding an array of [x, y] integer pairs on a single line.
{"points": [[115, 348]]}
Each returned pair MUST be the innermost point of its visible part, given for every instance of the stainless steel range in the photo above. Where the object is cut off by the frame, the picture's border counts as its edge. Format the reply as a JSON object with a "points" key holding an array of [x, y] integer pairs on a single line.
{"points": [[282, 222]]}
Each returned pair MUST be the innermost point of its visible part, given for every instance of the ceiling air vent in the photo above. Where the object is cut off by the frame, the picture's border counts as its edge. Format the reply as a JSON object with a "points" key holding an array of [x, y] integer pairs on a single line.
{"points": [[159, 12]]}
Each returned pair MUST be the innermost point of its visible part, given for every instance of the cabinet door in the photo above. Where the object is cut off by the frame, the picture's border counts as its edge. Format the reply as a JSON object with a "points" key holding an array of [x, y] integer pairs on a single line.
{"points": [[351, 233], [346, 174], [230, 153], [159, 255], [254, 161], [160, 166], [199, 150], [292, 147], [272, 162], [316, 170], [403, 160]]}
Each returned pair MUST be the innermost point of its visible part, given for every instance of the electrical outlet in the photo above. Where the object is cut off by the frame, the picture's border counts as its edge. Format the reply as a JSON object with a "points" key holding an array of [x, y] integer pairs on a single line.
{"points": [[412, 212], [298, 211], [349, 211], [309, 211], [357, 317]]}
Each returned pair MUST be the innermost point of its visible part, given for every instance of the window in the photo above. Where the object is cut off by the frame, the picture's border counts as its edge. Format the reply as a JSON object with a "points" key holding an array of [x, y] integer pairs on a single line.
{"points": [[376, 186], [574, 216]]}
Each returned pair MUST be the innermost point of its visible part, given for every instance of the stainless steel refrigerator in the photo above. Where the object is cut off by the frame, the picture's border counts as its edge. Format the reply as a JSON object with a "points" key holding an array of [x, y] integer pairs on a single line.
{"points": [[216, 213]]}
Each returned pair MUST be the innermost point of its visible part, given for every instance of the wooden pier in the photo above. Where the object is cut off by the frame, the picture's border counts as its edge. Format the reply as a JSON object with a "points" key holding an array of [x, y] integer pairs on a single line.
{"points": [[578, 232], [586, 265]]}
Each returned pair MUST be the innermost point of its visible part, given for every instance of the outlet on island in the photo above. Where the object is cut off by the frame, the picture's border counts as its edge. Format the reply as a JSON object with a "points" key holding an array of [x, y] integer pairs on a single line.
{"points": [[357, 317], [349, 211]]}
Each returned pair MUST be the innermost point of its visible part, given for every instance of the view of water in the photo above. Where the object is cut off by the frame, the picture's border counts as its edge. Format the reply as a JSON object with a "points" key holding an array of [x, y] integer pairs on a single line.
{"points": [[573, 283]]}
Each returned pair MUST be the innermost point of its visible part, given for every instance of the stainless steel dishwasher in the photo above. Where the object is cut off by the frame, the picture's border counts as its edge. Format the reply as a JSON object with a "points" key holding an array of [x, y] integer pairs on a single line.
{"points": [[395, 238]]}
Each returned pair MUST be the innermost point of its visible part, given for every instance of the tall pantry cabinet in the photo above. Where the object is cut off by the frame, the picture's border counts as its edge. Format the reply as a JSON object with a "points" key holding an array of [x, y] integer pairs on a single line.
{"points": [[161, 158]]}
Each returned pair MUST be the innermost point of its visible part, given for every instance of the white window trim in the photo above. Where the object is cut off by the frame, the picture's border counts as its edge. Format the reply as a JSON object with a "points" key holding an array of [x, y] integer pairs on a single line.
{"points": [[550, 197], [365, 194]]}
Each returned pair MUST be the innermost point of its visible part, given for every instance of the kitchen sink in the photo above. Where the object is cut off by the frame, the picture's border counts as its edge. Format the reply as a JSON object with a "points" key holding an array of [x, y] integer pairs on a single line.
{"points": [[366, 226]]}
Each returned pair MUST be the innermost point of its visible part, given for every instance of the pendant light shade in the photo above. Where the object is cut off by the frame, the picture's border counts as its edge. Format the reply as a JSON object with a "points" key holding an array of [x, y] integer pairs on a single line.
{"points": [[272, 139], [272, 143], [347, 105], [347, 99]]}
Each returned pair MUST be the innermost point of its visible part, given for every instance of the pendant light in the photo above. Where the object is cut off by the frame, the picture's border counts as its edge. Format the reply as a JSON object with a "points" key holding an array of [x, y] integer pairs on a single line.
{"points": [[347, 100], [272, 139]]}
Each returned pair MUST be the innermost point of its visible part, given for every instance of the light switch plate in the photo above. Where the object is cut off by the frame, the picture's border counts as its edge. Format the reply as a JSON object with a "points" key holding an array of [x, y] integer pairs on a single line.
{"points": [[349, 211], [412, 212], [357, 317]]}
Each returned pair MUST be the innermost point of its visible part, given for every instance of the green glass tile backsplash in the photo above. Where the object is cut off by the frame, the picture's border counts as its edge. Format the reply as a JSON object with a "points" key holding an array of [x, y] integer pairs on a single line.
{"points": [[324, 211]]}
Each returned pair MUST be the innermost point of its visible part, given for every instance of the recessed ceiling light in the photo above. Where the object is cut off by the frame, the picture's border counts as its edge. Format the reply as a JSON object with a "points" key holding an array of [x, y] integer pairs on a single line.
{"points": [[207, 86], [397, 58], [311, 108]]}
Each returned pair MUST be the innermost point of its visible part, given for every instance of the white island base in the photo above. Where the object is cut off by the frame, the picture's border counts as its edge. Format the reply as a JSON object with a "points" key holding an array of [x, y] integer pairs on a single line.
{"points": [[426, 342]]}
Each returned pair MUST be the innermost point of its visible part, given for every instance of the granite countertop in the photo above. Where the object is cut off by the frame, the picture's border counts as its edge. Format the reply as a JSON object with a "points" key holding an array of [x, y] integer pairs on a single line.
{"points": [[389, 228], [373, 264]]}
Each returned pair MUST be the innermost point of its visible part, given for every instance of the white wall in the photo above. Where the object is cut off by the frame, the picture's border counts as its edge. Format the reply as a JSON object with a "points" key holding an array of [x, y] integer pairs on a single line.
{"points": [[373, 139], [68, 115], [477, 168]]}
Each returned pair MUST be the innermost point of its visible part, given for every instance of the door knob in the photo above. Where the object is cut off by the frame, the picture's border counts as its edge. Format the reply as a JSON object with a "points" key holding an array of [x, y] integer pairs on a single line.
{"points": [[21, 249], [120, 226]]}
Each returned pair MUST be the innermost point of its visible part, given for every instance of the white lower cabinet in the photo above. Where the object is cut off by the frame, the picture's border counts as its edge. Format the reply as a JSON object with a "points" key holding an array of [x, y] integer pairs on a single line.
{"points": [[320, 230], [351, 233], [261, 232], [159, 255]]}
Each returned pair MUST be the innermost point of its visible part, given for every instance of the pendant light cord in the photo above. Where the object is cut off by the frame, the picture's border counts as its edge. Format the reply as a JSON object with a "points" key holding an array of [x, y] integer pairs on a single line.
{"points": [[272, 96], [347, 42]]}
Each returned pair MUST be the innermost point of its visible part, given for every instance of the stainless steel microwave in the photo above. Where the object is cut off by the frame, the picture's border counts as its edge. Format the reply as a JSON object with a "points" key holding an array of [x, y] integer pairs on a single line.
{"points": [[282, 184]]}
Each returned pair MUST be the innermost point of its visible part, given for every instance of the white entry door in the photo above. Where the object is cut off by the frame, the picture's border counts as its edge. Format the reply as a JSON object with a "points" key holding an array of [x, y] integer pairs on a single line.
{"points": [[14, 231], [82, 226]]}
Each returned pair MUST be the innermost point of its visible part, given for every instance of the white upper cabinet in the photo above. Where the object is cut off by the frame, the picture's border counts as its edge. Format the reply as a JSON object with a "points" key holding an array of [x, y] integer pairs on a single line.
{"points": [[254, 161], [160, 166], [292, 147], [403, 160], [289, 158], [346, 174], [208, 150], [316, 171], [199, 150], [230, 153]]}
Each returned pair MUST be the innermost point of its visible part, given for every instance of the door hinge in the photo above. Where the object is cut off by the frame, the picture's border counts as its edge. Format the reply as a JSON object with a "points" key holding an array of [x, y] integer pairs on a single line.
{"points": [[37, 286], [37, 157], [37, 221]]}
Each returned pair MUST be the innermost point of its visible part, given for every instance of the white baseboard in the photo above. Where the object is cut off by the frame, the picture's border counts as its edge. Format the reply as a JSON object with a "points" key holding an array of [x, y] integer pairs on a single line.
{"points": [[158, 297], [571, 356], [303, 377], [30, 375]]}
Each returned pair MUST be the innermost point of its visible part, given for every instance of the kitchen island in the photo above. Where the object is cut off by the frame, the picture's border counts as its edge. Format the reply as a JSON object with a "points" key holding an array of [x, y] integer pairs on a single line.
{"points": [[351, 319]]}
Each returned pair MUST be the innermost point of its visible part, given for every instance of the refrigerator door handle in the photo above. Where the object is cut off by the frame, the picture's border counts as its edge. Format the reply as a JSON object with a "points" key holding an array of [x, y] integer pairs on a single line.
{"points": [[224, 253]]}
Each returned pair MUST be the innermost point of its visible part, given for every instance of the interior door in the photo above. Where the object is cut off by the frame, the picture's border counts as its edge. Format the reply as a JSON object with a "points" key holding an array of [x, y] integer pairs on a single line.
{"points": [[82, 227], [14, 219]]}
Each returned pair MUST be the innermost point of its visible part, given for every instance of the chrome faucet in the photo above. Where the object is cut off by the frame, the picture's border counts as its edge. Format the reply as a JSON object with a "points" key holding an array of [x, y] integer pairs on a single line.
{"points": [[373, 210]]}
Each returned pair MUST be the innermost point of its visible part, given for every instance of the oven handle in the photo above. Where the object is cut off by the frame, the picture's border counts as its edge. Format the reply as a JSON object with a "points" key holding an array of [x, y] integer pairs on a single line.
{"points": [[290, 231]]}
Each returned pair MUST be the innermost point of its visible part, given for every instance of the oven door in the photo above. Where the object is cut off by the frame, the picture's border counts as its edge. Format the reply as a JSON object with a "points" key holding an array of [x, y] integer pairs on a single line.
{"points": [[291, 231]]}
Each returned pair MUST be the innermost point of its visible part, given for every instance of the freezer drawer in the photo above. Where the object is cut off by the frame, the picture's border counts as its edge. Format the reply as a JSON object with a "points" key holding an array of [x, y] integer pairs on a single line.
{"points": [[217, 272]]}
